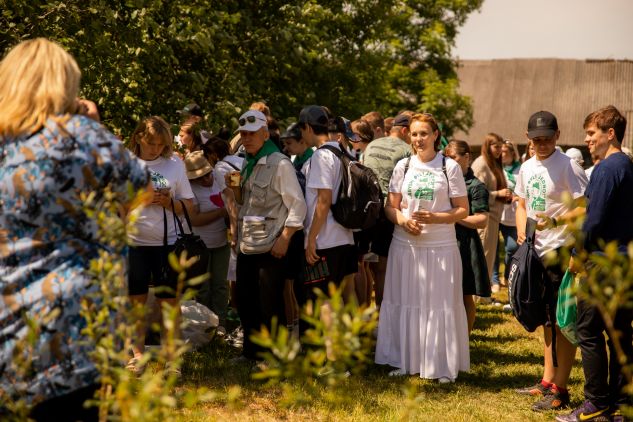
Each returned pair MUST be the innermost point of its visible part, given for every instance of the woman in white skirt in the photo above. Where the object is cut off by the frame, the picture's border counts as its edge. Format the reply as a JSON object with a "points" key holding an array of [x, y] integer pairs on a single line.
{"points": [[423, 327]]}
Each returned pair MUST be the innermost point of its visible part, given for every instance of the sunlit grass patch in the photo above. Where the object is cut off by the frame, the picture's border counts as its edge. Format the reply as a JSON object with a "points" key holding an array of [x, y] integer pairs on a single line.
{"points": [[503, 357]]}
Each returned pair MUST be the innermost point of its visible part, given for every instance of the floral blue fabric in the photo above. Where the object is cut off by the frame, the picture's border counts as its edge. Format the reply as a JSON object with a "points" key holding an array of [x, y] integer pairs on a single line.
{"points": [[46, 244]]}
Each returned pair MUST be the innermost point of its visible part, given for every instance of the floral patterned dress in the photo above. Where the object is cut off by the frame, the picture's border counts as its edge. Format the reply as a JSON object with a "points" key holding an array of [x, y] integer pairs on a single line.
{"points": [[46, 244]]}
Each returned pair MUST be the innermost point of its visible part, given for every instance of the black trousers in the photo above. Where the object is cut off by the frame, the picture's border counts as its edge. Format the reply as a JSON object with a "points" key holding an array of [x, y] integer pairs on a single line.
{"points": [[259, 284], [603, 374]]}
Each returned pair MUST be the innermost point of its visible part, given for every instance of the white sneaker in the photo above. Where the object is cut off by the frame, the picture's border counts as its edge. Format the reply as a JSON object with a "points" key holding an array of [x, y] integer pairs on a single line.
{"points": [[397, 373], [446, 380], [507, 308], [370, 257]]}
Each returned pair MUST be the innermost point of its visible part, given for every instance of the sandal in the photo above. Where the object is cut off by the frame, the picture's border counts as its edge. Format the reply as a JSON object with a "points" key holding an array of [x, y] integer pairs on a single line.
{"points": [[134, 366]]}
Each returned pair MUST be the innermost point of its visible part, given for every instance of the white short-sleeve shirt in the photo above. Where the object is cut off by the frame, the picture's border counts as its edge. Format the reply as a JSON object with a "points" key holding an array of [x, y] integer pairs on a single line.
{"points": [[323, 171], [226, 165], [209, 199], [543, 185], [165, 173], [426, 187]]}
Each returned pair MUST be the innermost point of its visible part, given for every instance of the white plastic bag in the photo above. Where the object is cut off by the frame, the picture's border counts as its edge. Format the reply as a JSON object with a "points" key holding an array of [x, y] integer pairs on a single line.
{"points": [[198, 323]]}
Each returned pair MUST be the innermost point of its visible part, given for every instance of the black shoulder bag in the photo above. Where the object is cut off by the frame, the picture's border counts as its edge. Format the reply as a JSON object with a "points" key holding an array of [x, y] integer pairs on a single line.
{"points": [[190, 242]]}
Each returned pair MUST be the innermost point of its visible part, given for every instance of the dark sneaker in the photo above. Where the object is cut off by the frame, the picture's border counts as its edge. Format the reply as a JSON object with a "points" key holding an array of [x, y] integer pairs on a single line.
{"points": [[552, 400], [586, 412], [533, 390]]}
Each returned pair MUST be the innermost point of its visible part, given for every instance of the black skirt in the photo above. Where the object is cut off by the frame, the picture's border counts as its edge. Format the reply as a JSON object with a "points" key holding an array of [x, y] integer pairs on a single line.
{"points": [[475, 279]]}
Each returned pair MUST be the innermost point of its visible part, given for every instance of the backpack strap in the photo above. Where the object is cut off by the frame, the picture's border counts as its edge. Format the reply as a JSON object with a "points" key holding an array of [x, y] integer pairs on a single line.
{"points": [[340, 153], [446, 174], [530, 230], [231, 164], [408, 162], [345, 171]]}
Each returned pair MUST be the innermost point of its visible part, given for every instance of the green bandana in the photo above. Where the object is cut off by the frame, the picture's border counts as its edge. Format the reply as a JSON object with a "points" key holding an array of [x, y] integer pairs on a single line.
{"points": [[509, 170], [443, 143], [268, 148], [300, 159]]}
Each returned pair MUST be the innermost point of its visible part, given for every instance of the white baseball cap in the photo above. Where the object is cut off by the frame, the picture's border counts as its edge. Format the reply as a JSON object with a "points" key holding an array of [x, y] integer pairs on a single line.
{"points": [[575, 154], [252, 121]]}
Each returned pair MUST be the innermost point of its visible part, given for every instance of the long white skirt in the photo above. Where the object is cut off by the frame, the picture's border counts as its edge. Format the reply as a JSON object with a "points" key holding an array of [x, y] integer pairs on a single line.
{"points": [[423, 327]]}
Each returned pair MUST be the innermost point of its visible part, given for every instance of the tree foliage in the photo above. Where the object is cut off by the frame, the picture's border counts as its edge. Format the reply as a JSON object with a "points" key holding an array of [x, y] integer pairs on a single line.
{"points": [[143, 57]]}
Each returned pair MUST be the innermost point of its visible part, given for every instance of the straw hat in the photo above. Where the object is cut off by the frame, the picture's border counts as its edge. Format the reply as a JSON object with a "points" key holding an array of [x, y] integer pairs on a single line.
{"points": [[197, 165]]}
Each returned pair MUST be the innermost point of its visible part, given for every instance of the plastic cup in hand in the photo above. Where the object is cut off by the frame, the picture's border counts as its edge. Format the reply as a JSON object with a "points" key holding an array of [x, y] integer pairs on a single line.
{"points": [[235, 177], [419, 208]]}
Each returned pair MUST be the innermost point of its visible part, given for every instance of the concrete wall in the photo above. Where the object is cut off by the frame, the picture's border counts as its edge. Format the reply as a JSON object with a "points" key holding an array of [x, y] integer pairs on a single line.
{"points": [[506, 92]]}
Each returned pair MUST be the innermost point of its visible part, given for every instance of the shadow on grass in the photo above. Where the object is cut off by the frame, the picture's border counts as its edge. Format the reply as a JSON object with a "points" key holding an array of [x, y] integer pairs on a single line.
{"points": [[484, 355], [211, 366], [486, 318]]}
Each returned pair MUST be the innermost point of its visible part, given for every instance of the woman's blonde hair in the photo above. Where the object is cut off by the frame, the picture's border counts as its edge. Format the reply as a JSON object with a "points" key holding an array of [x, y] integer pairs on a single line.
{"points": [[152, 128], [38, 80]]}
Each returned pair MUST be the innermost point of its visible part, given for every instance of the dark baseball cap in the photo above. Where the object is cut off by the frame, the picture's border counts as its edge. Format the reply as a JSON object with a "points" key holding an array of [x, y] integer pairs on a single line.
{"points": [[402, 120], [292, 131], [192, 109], [542, 123], [314, 115], [342, 125]]}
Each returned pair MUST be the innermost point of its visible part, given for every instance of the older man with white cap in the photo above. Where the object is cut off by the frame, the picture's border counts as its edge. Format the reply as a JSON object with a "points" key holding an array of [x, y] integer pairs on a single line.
{"points": [[272, 209]]}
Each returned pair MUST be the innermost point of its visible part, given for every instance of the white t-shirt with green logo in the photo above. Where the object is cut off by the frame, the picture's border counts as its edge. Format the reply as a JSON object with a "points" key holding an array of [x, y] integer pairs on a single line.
{"points": [[543, 184], [166, 173], [426, 187]]}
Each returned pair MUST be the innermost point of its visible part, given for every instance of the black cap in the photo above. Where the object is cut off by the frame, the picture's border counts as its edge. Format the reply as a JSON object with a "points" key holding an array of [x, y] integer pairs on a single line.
{"points": [[314, 115], [192, 109], [292, 131], [402, 120], [335, 125], [542, 123]]}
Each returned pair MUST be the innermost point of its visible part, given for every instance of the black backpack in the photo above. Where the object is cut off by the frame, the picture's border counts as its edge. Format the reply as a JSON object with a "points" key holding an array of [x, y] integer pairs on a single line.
{"points": [[359, 202], [531, 291]]}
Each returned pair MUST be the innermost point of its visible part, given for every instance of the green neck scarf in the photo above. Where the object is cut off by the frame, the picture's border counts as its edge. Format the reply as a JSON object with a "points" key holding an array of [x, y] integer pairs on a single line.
{"points": [[509, 170], [268, 148], [300, 159]]}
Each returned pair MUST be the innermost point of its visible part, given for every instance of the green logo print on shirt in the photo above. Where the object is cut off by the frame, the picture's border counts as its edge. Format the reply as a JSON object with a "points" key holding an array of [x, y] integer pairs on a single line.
{"points": [[536, 192], [421, 186]]}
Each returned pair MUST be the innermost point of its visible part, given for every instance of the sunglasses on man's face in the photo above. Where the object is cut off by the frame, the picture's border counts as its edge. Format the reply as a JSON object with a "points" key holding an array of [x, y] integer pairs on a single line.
{"points": [[250, 119]]}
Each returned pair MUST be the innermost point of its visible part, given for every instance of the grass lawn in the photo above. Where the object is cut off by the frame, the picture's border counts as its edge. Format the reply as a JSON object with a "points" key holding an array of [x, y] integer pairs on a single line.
{"points": [[503, 357]]}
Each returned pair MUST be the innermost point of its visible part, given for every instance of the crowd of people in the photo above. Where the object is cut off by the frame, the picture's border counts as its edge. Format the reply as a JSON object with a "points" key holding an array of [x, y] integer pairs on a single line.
{"points": [[261, 201]]}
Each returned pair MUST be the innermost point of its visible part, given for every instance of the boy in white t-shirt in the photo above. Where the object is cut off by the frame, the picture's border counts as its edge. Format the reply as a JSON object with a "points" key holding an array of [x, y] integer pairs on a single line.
{"points": [[541, 186], [330, 250]]}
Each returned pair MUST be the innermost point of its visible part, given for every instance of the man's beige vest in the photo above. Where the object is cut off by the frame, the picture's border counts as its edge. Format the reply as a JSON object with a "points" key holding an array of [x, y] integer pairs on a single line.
{"points": [[263, 214]]}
